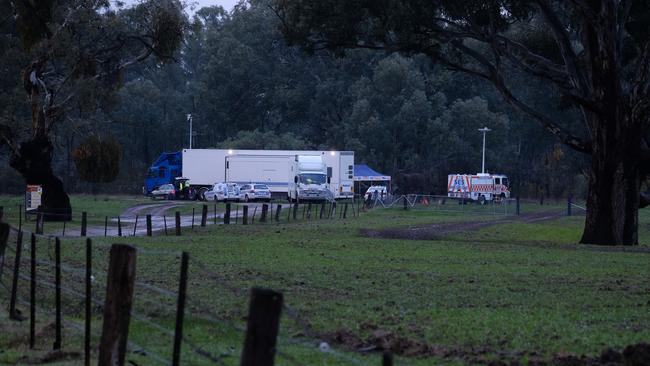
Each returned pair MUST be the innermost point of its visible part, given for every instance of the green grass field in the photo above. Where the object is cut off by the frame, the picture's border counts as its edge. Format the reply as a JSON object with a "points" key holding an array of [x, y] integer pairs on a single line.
{"points": [[507, 291]]}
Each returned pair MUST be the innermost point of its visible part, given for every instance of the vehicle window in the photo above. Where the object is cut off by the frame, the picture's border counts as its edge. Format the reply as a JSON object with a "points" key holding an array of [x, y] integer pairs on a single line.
{"points": [[497, 180], [312, 178], [261, 186]]}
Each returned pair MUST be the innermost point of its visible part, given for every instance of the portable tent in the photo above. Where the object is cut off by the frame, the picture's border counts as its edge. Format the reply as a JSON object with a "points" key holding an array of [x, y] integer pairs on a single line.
{"points": [[365, 174]]}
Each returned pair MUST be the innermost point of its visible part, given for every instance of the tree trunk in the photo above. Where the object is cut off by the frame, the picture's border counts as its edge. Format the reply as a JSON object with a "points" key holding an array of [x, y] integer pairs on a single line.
{"points": [[34, 163], [614, 191]]}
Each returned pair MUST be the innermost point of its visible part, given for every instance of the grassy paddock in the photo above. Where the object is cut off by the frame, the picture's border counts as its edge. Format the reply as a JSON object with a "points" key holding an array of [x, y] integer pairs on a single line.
{"points": [[510, 290]]}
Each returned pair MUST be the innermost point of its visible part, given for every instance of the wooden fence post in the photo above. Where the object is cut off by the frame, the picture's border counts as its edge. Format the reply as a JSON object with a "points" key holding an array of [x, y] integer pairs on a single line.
{"points": [[245, 215], [322, 209], [265, 212], [345, 210], [262, 328], [105, 225], [333, 213], [180, 310], [32, 292], [20, 218], [517, 206], [568, 206], [165, 223], [277, 212], [178, 223], [57, 294], [135, 225], [226, 216], [359, 205], [295, 211], [39, 223], [119, 226], [192, 218], [303, 210], [88, 301], [236, 214], [149, 231], [309, 211], [13, 315], [83, 223], [204, 215], [4, 238], [387, 359], [117, 306], [253, 217], [215, 213]]}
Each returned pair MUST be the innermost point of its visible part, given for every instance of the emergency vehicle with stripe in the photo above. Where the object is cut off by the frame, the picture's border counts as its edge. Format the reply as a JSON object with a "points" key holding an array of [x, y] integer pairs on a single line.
{"points": [[478, 187]]}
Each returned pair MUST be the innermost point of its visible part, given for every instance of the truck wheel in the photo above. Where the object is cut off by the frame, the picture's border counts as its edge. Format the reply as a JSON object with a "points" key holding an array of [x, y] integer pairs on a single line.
{"points": [[201, 194]]}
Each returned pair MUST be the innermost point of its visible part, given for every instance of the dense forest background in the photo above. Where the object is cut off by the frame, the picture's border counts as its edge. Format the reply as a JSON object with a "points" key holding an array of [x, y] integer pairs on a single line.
{"points": [[247, 89]]}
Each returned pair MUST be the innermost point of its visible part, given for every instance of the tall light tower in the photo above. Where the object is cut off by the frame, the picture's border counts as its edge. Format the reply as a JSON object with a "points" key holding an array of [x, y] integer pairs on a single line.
{"points": [[485, 130], [189, 119]]}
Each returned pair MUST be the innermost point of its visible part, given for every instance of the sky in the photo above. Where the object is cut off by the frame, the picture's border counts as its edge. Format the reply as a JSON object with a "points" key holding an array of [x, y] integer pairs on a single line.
{"points": [[227, 4]]}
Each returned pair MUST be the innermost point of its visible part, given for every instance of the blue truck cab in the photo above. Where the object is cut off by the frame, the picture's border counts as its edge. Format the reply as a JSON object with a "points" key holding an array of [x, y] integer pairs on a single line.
{"points": [[164, 170]]}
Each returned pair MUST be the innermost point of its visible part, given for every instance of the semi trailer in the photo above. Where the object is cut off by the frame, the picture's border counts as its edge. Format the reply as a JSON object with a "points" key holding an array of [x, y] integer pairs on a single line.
{"points": [[202, 168]]}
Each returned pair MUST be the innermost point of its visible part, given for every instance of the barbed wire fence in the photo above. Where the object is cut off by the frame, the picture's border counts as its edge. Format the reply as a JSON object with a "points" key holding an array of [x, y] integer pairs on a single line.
{"points": [[190, 217], [49, 287]]}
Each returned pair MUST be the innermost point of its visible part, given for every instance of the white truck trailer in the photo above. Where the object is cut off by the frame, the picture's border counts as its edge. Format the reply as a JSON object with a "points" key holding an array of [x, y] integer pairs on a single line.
{"points": [[204, 167]]}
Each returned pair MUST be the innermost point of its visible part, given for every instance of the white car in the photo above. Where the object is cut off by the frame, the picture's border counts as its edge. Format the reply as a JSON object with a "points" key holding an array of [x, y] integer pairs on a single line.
{"points": [[254, 192], [382, 192], [223, 192]]}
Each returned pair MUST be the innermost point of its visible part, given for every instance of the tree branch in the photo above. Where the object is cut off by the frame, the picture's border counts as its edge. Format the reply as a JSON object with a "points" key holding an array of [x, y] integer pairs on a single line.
{"points": [[7, 135], [546, 122], [566, 50]]}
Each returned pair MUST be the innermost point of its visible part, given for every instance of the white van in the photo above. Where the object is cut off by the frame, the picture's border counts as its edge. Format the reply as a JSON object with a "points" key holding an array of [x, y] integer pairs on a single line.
{"points": [[382, 192], [223, 192]]}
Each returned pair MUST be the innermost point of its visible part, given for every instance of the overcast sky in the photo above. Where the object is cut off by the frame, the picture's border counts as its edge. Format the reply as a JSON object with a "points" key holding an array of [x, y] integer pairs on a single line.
{"points": [[227, 4]]}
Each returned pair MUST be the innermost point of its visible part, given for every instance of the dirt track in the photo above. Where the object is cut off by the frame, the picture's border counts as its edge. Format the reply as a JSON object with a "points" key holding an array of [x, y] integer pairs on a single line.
{"points": [[438, 231]]}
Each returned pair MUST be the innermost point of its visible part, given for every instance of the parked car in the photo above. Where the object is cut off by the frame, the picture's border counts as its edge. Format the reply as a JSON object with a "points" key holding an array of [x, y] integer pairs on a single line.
{"points": [[166, 191], [382, 192], [255, 192], [223, 192]]}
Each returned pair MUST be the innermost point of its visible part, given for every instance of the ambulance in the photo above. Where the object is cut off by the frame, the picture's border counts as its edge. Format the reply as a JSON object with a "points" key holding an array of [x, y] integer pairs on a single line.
{"points": [[481, 187]]}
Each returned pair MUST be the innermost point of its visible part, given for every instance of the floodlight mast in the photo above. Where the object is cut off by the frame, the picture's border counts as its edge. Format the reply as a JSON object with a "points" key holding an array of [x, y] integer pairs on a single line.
{"points": [[485, 130], [189, 119]]}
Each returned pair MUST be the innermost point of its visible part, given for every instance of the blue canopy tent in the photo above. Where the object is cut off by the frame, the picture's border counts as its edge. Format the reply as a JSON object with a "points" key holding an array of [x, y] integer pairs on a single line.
{"points": [[364, 173]]}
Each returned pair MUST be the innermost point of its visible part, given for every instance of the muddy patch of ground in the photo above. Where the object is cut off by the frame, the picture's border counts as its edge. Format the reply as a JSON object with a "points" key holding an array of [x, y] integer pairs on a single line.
{"points": [[386, 341], [438, 231]]}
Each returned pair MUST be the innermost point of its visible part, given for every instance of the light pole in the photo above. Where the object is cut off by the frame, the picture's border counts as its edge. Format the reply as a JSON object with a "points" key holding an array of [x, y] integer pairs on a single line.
{"points": [[189, 119], [485, 130]]}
